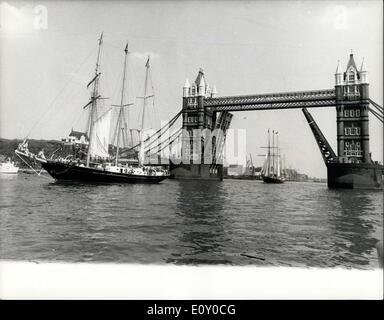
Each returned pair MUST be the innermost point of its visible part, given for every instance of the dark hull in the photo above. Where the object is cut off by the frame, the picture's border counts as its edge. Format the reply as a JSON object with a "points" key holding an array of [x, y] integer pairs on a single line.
{"points": [[61, 171], [272, 180]]}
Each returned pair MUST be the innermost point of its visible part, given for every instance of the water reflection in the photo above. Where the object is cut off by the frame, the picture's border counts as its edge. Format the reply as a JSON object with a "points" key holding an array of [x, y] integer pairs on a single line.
{"points": [[80, 227], [190, 222], [8, 185], [357, 227], [8, 176], [203, 234]]}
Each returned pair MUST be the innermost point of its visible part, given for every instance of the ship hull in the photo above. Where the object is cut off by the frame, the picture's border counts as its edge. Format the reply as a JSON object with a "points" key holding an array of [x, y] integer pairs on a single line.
{"points": [[68, 172], [355, 176], [272, 180]]}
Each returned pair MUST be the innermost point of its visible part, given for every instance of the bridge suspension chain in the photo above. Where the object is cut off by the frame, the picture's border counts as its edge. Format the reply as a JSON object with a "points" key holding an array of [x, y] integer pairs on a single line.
{"points": [[171, 142], [378, 113], [162, 130], [377, 106], [165, 128], [164, 141]]}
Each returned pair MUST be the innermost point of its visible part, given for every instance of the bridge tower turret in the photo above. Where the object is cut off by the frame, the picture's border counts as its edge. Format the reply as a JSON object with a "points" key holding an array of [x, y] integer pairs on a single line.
{"points": [[339, 75], [352, 107], [196, 118], [186, 89]]}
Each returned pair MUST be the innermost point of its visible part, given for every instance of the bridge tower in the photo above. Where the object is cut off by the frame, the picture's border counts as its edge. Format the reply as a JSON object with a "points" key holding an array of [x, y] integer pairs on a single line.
{"points": [[353, 167], [352, 108], [196, 117]]}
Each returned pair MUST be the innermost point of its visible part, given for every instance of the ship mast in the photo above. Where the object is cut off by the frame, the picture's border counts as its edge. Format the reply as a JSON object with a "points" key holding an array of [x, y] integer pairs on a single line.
{"points": [[122, 105], [94, 99], [144, 97], [269, 154], [252, 167], [145, 92], [278, 154], [273, 152]]}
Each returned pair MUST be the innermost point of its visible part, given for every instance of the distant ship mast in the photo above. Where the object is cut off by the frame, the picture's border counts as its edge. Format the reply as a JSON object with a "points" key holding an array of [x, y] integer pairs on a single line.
{"points": [[271, 171], [277, 155], [269, 155]]}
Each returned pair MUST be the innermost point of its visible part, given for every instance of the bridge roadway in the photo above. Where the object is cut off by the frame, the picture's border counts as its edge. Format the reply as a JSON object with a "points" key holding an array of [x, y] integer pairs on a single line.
{"points": [[270, 101]]}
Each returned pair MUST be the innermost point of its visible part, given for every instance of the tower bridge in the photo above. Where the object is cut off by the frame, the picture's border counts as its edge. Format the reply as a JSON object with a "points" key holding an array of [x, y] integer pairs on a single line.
{"points": [[350, 167]]}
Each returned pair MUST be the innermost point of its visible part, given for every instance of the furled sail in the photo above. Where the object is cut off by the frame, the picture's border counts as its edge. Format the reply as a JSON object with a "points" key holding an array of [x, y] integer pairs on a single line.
{"points": [[100, 135]]}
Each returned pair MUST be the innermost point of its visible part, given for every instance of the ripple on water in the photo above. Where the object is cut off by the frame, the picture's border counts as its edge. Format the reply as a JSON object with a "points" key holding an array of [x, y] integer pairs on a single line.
{"points": [[188, 222]]}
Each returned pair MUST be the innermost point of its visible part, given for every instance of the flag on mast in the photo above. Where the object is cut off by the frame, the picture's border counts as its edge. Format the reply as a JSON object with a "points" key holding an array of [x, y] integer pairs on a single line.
{"points": [[126, 49], [147, 64]]}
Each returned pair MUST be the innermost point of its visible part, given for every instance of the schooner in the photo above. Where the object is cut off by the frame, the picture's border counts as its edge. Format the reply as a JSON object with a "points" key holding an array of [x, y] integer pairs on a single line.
{"points": [[271, 171], [100, 165]]}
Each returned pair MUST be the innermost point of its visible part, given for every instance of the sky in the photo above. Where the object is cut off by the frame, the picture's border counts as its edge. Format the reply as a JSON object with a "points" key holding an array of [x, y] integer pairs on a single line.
{"points": [[48, 52]]}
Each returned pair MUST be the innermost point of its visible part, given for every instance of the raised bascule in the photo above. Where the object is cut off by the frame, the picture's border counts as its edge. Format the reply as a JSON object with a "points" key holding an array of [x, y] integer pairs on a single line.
{"points": [[351, 167]]}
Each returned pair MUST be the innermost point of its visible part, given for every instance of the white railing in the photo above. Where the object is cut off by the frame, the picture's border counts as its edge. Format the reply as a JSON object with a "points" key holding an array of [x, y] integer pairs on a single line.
{"points": [[354, 153]]}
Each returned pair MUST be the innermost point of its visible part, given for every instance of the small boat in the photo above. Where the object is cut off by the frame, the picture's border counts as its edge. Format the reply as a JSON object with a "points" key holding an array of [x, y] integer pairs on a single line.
{"points": [[271, 171], [97, 164], [8, 167]]}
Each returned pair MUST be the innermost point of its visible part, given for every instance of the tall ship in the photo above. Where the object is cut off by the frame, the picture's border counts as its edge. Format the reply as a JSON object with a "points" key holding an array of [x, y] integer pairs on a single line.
{"points": [[95, 162], [271, 171]]}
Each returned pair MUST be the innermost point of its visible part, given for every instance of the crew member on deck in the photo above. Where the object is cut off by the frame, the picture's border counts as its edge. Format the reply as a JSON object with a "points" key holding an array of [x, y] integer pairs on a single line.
{"points": [[41, 154]]}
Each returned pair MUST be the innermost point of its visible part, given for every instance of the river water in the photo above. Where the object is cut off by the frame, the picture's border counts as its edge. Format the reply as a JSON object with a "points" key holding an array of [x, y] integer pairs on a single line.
{"points": [[233, 222]]}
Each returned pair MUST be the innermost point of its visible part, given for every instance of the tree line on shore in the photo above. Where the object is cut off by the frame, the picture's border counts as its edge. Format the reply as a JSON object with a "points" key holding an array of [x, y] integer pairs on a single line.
{"points": [[8, 147]]}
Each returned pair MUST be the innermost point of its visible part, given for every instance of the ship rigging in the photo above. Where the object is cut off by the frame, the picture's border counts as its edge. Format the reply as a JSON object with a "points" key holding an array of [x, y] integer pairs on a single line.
{"points": [[100, 165]]}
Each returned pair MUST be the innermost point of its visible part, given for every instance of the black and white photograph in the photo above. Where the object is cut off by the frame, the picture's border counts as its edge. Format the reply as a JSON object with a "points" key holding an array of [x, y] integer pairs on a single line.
{"points": [[191, 150]]}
